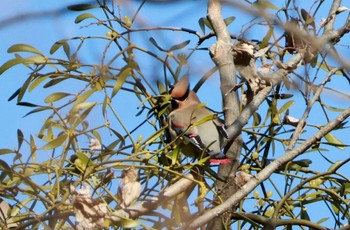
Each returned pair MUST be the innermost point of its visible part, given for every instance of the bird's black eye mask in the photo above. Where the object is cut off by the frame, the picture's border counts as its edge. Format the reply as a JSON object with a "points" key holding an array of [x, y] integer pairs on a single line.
{"points": [[180, 98]]}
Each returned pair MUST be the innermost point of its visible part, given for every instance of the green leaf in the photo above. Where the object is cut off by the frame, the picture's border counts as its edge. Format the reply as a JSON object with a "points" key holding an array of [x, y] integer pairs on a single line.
{"points": [[332, 108], [55, 97], [81, 7], [156, 44], [335, 166], [309, 20], [277, 118], [37, 82], [154, 136], [84, 16], [207, 23], [59, 44], [35, 60], [54, 82], [174, 155], [257, 119], [229, 20], [97, 135], [286, 106], [335, 208], [9, 64], [83, 158], [127, 223], [82, 116], [345, 189], [55, 142], [37, 110], [202, 24], [324, 219], [5, 151], [23, 48], [304, 215], [55, 47], [281, 96], [263, 4], [332, 140], [82, 106], [205, 119], [266, 39], [27, 104], [328, 68], [161, 87], [126, 72], [15, 94], [180, 46], [20, 138], [120, 139], [33, 147], [85, 95]]}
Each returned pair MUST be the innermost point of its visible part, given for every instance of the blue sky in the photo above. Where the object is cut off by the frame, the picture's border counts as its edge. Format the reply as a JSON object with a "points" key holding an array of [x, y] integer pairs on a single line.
{"points": [[42, 32]]}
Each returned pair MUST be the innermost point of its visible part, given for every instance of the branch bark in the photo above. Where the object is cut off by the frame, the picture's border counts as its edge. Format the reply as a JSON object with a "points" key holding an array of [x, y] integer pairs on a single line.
{"points": [[267, 171], [144, 207], [222, 56]]}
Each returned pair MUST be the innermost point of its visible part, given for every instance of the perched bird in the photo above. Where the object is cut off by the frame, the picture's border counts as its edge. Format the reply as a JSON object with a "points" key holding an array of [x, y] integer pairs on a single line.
{"points": [[203, 133], [129, 188]]}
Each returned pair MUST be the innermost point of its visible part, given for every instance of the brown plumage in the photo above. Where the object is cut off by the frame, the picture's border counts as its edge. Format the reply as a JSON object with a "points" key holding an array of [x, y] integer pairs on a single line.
{"points": [[205, 137]]}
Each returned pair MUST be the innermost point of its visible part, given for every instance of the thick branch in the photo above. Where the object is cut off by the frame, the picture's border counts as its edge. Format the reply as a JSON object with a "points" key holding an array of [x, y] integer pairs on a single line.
{"points": [[222, 55], [331, 14], [267, 171], [144, 207]]}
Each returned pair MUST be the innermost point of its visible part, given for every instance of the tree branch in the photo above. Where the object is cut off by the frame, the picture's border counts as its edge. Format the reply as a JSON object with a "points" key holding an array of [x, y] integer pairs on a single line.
{"points": [[222, 56], [267, 171], [144, 207]]}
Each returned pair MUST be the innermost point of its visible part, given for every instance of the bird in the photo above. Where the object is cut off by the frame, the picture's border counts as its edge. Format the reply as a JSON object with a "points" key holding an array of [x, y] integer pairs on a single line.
{"points": [[202, 132], [129, 188]]}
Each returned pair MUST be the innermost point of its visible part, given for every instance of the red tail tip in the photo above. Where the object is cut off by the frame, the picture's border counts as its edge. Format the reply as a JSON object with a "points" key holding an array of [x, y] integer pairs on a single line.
{"points": [[220, 161]]}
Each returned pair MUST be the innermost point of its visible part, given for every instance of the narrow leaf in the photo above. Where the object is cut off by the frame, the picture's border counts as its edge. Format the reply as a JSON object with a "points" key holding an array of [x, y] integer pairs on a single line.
{"points": [[85, 95], [20, 138], [180, 46], [55, 97], [82, 106], [37, 82], [15, 94], [55, 142], [10, 64], [286, 106], [324, 219], [263, 4], [82, 17], [202, 25], [5, 151], [331, 139], [309, 20], [229, 20], [37, 110], [156, 44], [120, 80], [266, 39], [81, 7], [23, 48], [27, 104], [54, 82], [58, 45], [127, 223], [82, 116]]}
